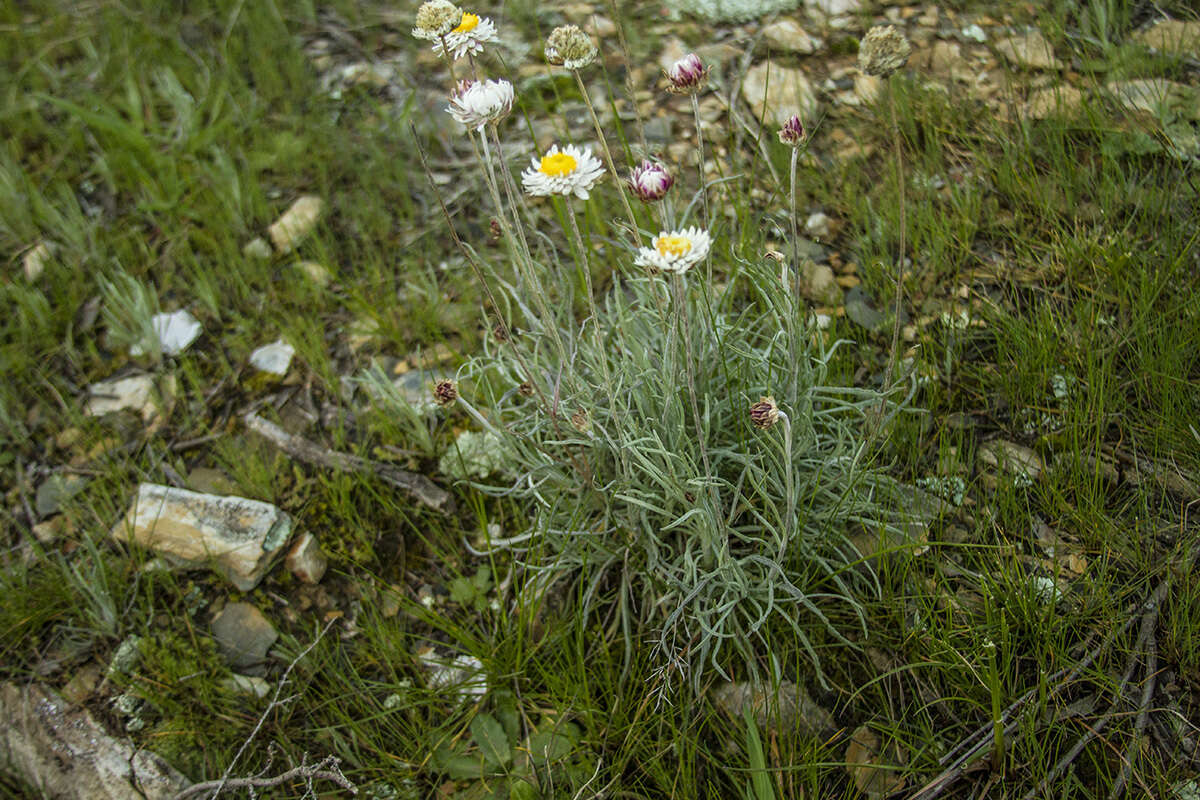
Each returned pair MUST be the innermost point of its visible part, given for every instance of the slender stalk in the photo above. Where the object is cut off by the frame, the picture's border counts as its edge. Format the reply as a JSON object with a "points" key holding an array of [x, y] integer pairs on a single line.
{"points": [[703, 184], [608, 159], [689, 372], [798, 277], [789, 477], [903, 234]]}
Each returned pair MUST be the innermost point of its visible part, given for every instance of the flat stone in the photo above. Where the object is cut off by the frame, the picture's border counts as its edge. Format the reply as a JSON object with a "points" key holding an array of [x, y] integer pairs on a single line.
{"points": [[818, 224], [239, 538], [274, 358], [1157, 95], [35, 260], [787, 35], [787, 707], [860, 308], [834, 8], [247, 684], [1053, 101], [1012, 458], [730, 10], [1030, 50], [62, 752], [316, 272], [1172, 36], [776, 93], [306, 560], [143, 394], [243, 635], [295, 223], [55, 491], [257, 248]]}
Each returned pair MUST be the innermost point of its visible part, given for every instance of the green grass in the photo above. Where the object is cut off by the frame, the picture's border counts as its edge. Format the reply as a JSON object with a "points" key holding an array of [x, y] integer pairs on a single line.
{"points": [[151, 144]]}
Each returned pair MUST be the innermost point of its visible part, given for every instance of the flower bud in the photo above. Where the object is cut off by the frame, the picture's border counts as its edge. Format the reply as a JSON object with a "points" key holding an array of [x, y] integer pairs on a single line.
{"points": [[650, 181], [687, 75], [792, 133], [764, 413], [445, 392]]}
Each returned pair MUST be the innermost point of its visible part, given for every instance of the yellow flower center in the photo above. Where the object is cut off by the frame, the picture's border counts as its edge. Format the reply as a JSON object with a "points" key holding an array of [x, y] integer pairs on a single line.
{"points": [[674, 246], [469, 21], [558, 165]]}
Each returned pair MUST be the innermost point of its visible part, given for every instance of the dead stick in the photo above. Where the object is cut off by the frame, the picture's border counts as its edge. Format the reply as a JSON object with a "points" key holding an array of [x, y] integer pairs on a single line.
{"points": [[301, 449], [307, 773]]}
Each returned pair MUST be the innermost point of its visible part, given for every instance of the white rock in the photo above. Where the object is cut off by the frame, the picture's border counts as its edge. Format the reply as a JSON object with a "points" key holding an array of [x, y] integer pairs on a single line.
{"points": [[817, 224], [247, 684], [315, 272], [820, 285], [239, 538], [137, 393], [274, 358], [295, 223], [1031, 50], [463, 673], [834, 8], [35, 260], [1013, 458], [1172, 35], [786, 34], [60, 751], [779, 91], [306, 560], [1053, 101], [257, 248], [974, 33], [175, 331]]}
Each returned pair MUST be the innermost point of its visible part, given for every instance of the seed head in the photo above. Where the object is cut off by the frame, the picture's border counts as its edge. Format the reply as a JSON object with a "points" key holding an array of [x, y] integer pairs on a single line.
{"points": [[764, 413], [580, 421], [568, 46], [883, 50], [687, 75], [436, 18], [792, 133], [445, 392], [525, 389]]}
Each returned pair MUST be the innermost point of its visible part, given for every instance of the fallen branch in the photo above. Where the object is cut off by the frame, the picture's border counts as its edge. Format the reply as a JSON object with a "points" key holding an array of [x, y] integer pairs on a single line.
{"points": [[324, 770], [301, 449]]}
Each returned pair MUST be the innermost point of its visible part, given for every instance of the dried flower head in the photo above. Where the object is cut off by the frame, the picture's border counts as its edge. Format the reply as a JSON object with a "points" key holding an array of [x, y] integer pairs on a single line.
{"points": [[468, 38], [572, 170], [568, 46], [650, 181], [476, 103], [436, 18], [792, 133], [500, 333], [764, 413], [525, 389], [687, 75], [445, 392], [580, 421], [494, 233], [883, 50], [677, 251]]}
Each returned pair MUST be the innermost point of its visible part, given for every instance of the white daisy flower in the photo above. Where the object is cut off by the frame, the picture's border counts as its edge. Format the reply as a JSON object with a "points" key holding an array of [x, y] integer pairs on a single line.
{"points": [[572, 170], [469, 37], [677, 251], [476, 103]]}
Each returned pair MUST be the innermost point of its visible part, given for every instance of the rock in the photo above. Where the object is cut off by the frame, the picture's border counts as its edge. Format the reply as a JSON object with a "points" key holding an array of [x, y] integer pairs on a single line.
{"points": [[1030, 50], [63, 753], [1172, 36], [239, 538], [209, 480], [974, 33], [861, 310], [819, 284], [787, 35], [257, 248], [243, 636], [1155, 96], [779, 93], [1053, 101], [787, 708], [305, 560], [56, 490], [817, 224], [247, 684], [315, 272], [463, 673], [1019, 461], [730, 10], [274, 358], [83, 683], [137, 393], [36, 258], [295, 223], [834, 8], [944, 60], [874, 768], [174, 330]]}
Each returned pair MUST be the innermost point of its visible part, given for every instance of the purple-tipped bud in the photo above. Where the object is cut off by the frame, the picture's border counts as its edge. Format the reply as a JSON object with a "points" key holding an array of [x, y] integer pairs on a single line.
{"points": [[687, 75], [650, 181], [792, 133], [445, 392]]}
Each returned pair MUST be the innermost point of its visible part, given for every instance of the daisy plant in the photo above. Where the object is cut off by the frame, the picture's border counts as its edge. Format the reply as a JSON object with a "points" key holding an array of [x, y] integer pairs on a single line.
{"points": [[468, 38]]}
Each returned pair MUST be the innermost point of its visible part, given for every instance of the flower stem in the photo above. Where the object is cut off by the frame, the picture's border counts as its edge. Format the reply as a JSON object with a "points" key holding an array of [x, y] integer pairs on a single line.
{"points": [[891, 368], [703, 185], [608, 159]]}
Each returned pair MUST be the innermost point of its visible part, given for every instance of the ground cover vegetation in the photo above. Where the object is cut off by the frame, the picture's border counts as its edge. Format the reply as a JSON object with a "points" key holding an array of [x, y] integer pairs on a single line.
{"points": [[684, 407]]}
